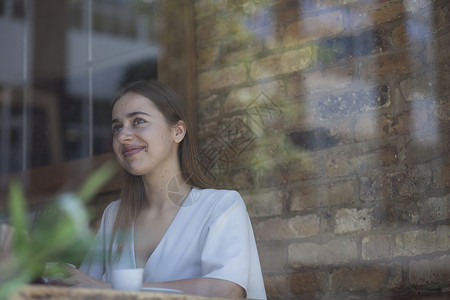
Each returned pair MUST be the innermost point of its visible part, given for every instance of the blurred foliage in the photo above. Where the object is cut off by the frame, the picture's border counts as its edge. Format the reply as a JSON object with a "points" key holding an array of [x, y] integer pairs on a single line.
{"points": [[60, 232], [275, 149]]}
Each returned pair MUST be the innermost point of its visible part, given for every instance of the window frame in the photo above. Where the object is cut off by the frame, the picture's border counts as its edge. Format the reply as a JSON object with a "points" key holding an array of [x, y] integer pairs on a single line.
{"points": [[42, 183]]}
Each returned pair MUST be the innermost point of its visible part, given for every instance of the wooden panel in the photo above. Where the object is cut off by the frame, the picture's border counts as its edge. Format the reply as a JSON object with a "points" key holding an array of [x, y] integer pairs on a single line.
{"points": [[176, 59], [34, 292], [41, 184]]}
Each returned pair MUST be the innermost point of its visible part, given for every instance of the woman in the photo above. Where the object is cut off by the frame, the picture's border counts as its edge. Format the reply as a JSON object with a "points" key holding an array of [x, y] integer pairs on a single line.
{"points": [[185, 235]]}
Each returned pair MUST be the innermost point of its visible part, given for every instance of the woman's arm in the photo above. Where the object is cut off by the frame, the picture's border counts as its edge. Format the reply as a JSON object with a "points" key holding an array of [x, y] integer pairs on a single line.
{"points": [[209, 287]]}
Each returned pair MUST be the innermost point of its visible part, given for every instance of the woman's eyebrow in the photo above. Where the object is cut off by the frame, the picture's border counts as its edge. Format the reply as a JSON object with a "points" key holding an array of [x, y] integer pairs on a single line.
{"points": [[130, 115]]}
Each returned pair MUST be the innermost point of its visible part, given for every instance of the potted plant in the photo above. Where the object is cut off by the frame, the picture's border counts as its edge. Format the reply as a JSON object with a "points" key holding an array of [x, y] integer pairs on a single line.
{"points": [[60, 232]]}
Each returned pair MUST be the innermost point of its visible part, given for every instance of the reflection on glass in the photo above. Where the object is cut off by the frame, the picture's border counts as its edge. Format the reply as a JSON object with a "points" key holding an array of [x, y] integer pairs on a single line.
{"points": [[60, 69]]}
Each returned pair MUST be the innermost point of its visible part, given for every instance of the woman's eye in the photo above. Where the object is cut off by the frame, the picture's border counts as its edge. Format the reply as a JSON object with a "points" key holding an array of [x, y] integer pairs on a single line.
{"points": [[138, 121], [116, 129]]}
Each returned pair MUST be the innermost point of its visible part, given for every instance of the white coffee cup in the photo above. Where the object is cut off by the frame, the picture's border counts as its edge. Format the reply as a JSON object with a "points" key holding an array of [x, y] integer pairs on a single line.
{"points": [[127, 279]]}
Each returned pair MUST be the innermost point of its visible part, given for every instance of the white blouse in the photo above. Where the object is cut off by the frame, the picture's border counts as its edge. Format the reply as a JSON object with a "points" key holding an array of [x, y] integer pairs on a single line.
{"points": [[211, 236]]}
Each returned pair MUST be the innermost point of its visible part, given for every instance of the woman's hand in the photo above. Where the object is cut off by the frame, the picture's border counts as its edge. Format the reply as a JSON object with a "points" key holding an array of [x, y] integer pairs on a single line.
{"points": [[77, 278]]}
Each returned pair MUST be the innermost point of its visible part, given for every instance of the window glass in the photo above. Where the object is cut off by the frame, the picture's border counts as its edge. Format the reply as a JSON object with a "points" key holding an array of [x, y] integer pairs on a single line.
{"points": [[61, 65]]}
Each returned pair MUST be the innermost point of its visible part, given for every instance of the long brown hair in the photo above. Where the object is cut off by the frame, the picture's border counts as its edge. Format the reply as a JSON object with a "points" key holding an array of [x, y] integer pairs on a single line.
{"points": [[133, 194]]}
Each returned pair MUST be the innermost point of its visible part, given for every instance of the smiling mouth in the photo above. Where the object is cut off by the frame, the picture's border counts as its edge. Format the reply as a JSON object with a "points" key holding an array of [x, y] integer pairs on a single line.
{"points": [[132, 151]]}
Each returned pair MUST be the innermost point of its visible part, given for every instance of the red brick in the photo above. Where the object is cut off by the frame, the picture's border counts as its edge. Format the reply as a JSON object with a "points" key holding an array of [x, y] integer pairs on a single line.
{"points": [[400, 36], [418, 87], [205, 31], [242, 178], [418, 28], [269, 203], [391, 64], [273, 258], [323, 25], [308, 196], [369, 128], [216, 27], [399, 177], [204, 8], [270, 175], [393, 185], [430, 271], [382, 11], [327, 80], [375, 12], [298, 113], [311, 285], [334, 252], [427, 148], [307, 166], [394, 125], [242, 98], [287, 12], [376, 246], [367, 279], [343, 163], [274, 164], [361, 160], [443, 237], [434, 209], [239, 48], [324, 4], [442, 174], [441, 18], [365, 98], [284, 63], [440, 48], [222, 78], [352, 220], [209, 107], [343, 130], [441, 107], [418, 242], [296, 84], [207, 57], [286, 229], [421, 26]]}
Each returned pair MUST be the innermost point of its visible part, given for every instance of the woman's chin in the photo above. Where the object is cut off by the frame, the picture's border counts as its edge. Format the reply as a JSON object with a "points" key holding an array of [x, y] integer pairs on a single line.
{"points": [[134, 172]]}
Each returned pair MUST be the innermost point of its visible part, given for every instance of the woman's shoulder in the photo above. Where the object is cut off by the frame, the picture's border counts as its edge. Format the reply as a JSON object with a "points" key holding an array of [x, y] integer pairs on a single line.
{"points": [[111, 208], [113, 205], [217, 198], [217, 194]]}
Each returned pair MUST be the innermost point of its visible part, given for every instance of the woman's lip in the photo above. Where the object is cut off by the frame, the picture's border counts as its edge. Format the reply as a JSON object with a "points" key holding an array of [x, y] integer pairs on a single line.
{"points": [[131, 151]]}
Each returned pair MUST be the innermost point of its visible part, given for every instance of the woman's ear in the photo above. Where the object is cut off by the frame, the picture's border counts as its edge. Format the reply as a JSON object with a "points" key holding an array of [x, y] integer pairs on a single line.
{"points": [[179, 131]]}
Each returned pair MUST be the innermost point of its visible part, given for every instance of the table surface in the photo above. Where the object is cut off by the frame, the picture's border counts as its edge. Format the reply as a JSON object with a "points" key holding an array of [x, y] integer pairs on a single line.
{"points": [[48, 292]]}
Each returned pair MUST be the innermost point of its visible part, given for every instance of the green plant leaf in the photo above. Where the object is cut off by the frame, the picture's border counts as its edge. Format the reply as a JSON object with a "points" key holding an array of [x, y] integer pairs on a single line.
{"points": [[17, 206], [60, 234], [96, 180]]}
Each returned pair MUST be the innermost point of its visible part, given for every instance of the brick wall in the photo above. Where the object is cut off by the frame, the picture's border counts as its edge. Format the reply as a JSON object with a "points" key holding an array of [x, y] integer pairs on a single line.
{"points": [[332, 118]]}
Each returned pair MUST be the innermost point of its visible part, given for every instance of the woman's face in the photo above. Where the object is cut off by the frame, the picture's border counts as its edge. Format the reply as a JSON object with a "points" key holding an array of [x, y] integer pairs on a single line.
{"points": [[143, 141]]}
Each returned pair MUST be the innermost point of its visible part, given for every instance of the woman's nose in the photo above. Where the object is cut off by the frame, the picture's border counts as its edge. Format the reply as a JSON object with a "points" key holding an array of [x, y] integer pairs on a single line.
{"points": [[125, 135]]}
